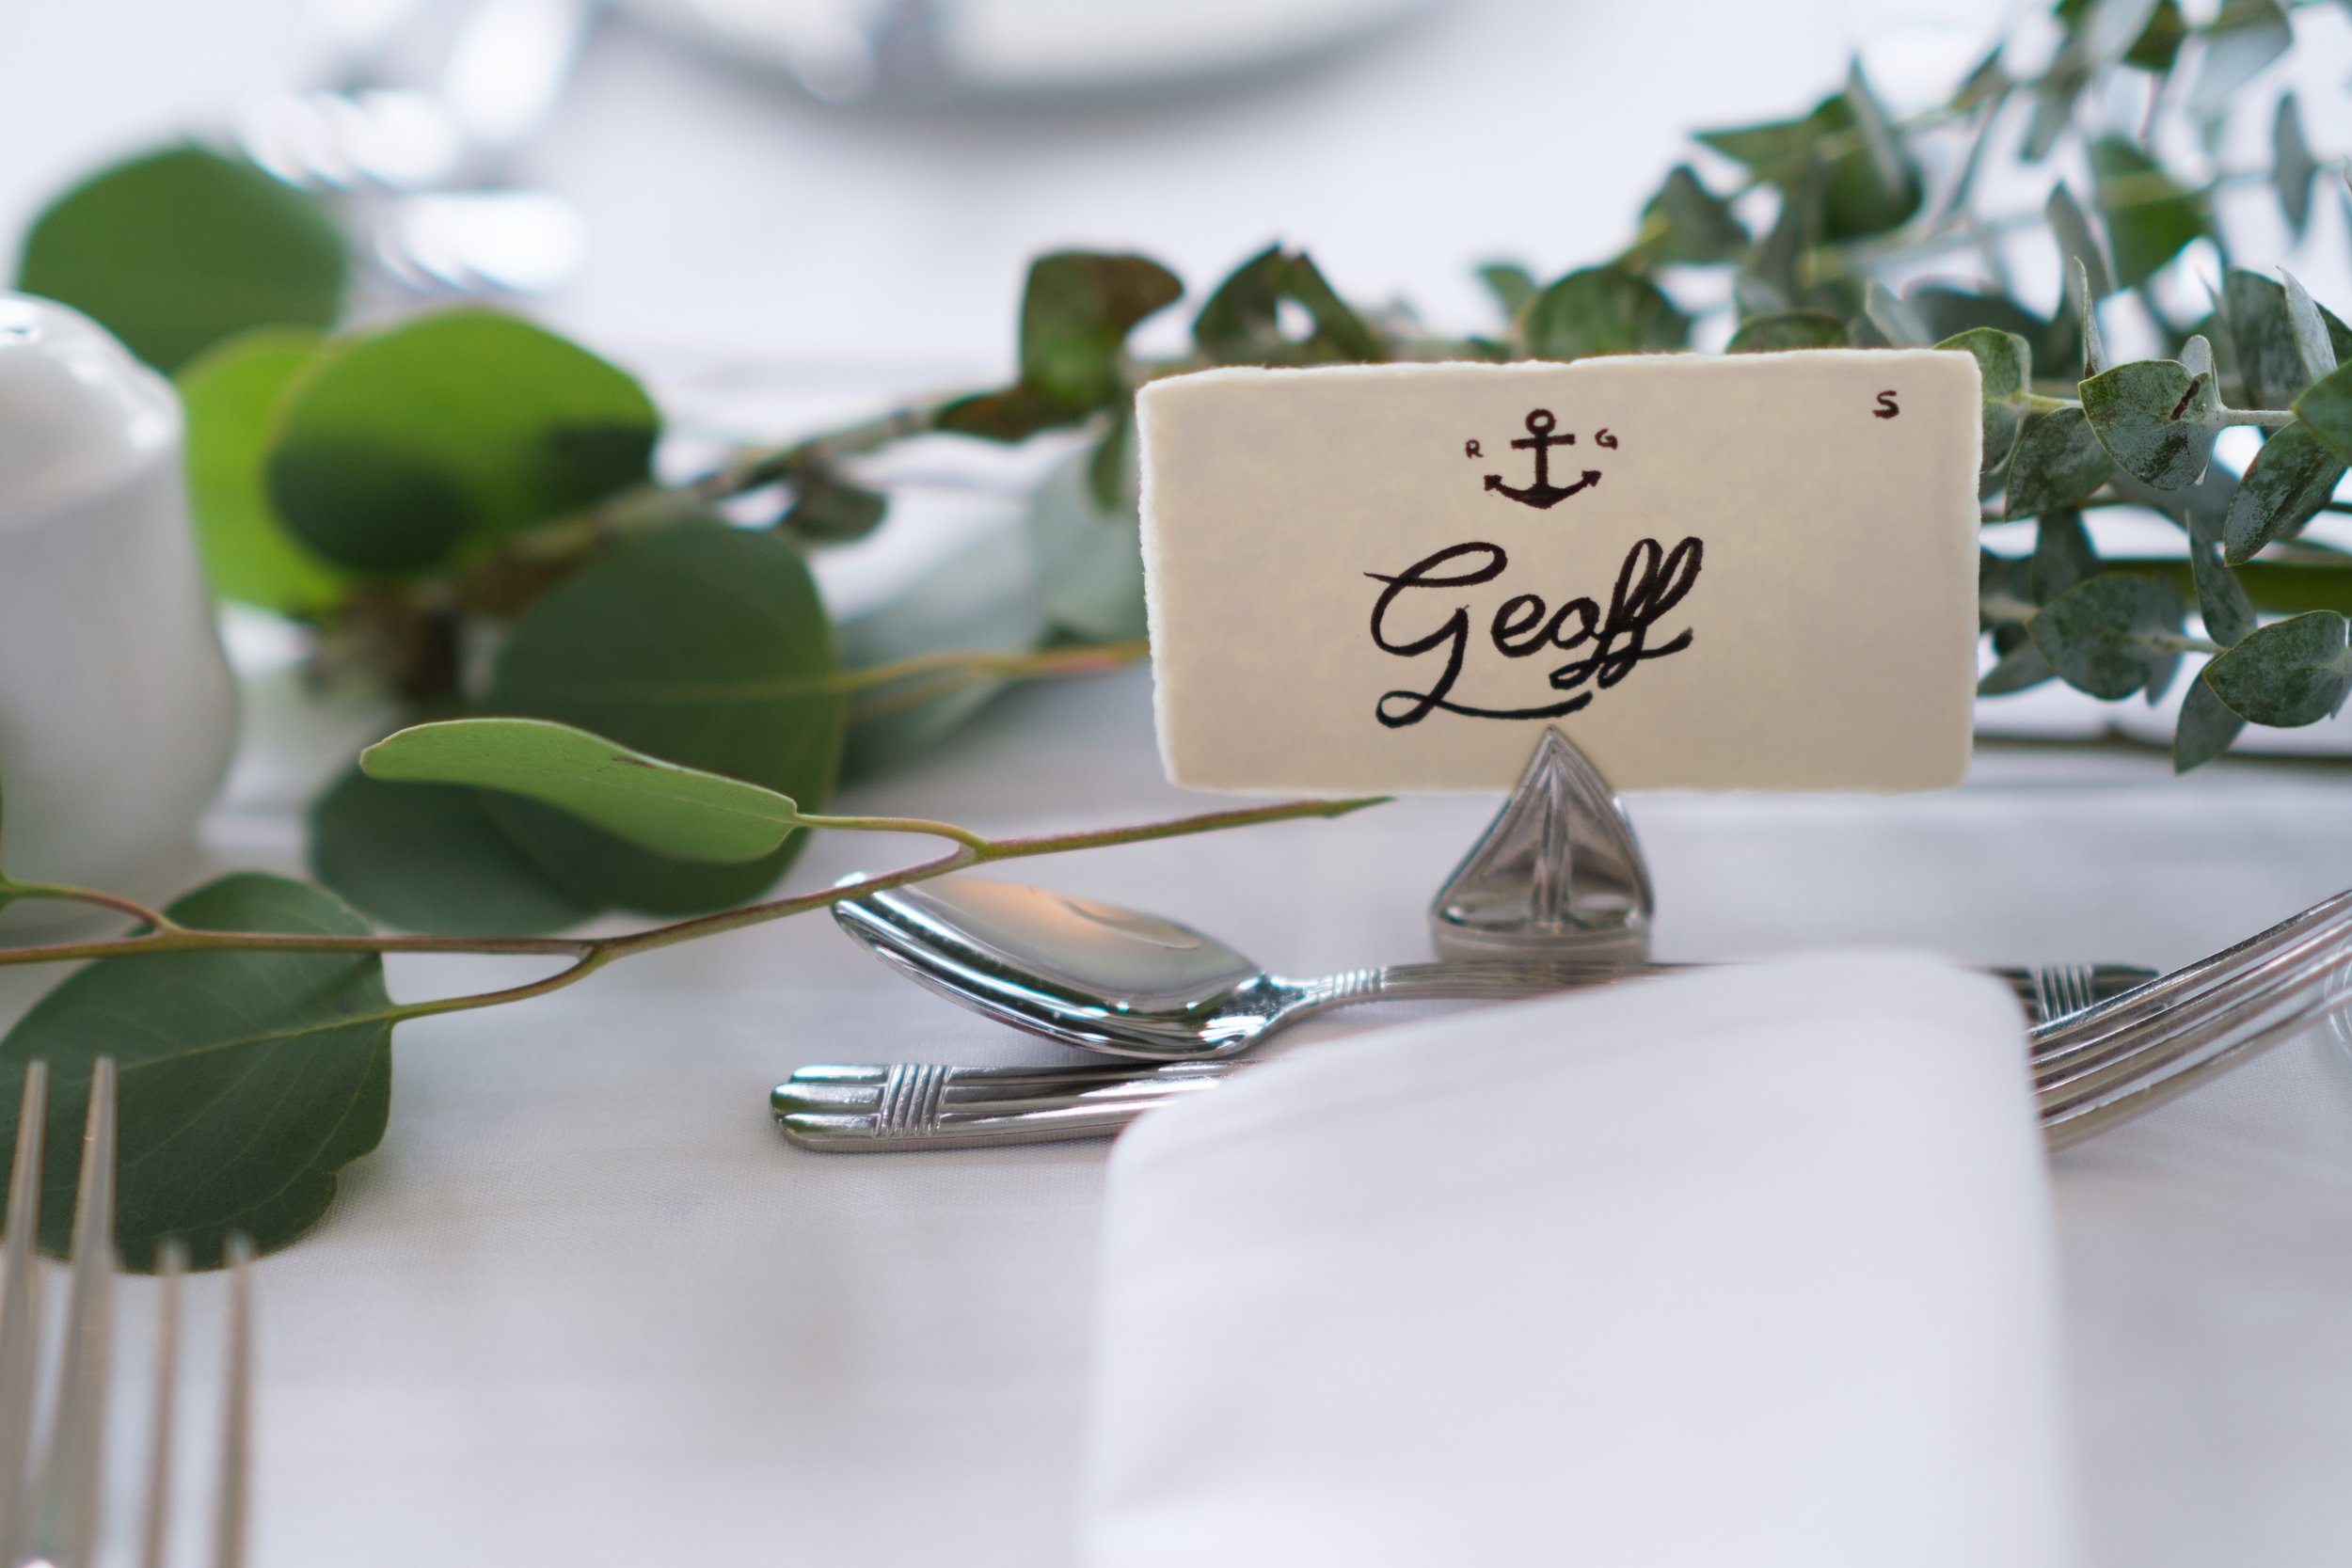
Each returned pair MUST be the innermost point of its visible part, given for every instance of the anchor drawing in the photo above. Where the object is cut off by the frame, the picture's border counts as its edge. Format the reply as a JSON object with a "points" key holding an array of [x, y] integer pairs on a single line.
{"points": [[1543, 493]]}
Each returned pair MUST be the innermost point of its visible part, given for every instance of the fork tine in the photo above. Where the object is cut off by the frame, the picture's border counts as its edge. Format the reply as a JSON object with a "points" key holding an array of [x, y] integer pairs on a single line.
{"points": [[171, 1262], [236, 1425], [68, 1504], [20, 1307]]}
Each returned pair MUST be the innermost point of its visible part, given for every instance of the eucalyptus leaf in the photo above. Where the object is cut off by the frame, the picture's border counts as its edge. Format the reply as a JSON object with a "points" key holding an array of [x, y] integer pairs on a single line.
{"points": [[829, 510], [1511, 284], [2078, 246], [2269, 362], [1077, 311], [1947, 312], [704, 645], [1241, 322], [2156, 420], [2159, 43], [1892, 317], [2021, 668], [2087, 317], [2148, 217], [2205, 729], [2063, 556], [1010, 416], [246, 1081], [177, 250], [2239, 43], [2222, 601], [2004, 370], [1693, 226], [1857, 197], [2287, 675], [2325, 408], [2107, 636], [428, 858], [2004, 590], [2284, 488], [680, 812], [1602, 310], [2111, 28], [228, 393], [2292, 165], [2058, 463], [399, 449], [2313, 345], [1787, 330]]}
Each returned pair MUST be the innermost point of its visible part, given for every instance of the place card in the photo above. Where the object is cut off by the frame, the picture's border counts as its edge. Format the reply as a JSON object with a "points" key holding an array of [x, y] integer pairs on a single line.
{"points": [[1708, 572]]}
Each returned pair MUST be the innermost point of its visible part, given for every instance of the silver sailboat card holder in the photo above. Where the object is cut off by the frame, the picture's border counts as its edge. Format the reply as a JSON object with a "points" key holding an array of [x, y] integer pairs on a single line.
{"points": [[1558, 875]]}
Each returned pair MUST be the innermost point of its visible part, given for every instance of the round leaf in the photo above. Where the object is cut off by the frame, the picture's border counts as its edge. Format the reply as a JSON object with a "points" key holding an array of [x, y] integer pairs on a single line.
{"points": [[2003, 365], [246, 1081], [402, 446], [704, 645], [1075, 314], [1787, 330], [2207, 726], [174, 251], [2101, 636], [1089, 561], [2157, 419], [1602, 310], [249, 555], [2284, 487], [428, 858], [2325, 407], [2287, 675], [2058, 463], [670, 810]]}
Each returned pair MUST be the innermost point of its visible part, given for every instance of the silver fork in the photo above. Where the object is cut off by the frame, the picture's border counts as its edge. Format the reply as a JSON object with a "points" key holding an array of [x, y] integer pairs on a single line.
{"points": [[2092, 1069], [51, 1494]]}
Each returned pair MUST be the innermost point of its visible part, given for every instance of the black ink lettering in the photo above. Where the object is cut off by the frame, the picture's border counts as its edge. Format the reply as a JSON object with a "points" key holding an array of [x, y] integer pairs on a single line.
{"points": [[1517, 615], [1539, 439], [1602, 438], [1887, 409], [1455, 631], [1470, 449], [1651, 582]]}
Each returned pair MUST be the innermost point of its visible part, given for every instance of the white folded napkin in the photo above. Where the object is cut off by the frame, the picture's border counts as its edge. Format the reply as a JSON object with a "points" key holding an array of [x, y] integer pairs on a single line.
{"points": [[1748, 1266]]}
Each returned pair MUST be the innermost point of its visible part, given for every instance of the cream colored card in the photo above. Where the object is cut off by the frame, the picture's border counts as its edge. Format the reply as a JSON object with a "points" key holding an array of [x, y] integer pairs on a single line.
{"points": [[1709, 572]]}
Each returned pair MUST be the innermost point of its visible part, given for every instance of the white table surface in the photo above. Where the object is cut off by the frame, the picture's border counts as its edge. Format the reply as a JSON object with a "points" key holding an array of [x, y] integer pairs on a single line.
{"points": [[584, 1305]]}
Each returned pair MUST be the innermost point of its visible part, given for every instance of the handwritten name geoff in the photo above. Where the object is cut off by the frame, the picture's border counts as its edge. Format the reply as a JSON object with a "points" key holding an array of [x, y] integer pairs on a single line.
{"points": [[1650, 583]]}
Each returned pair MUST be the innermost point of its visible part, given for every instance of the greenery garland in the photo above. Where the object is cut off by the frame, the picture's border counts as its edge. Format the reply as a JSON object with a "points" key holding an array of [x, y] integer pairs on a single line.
{"points": [[403, 489]]}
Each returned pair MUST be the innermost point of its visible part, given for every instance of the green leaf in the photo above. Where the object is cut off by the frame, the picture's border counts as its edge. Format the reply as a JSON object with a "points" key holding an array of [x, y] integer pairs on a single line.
{"points": [[983, 598], [2103, 636], [2061, 558], [2284, 488], [176, 250], [2021, 668], [2262, 333], [2292, 165], [2156, 420], [2005, 367], [428, 858], [246, 1081], [1948, 312], [681, 811], [1113, 477], [2159, 43], [1511, 284], [2325, 407], [1010, 416], [2109, 29], [702, 645], [1691, 224], [1075, 314], [403, 447], [2245, 37], [1858, 196], [2058, 463], [2004, 590], [1892, 317], [1787, 330], [828, 510], [1602, 310], [1088, 559], [1241, 322], [2287, 675], [2148, 217], [249, 555], [2313, 346], [2222, 601], [2206, 728], [2077, 243]]}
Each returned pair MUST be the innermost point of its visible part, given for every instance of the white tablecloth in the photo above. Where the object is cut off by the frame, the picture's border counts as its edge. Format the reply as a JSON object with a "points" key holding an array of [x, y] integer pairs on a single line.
{"points": [[586, 1306]]}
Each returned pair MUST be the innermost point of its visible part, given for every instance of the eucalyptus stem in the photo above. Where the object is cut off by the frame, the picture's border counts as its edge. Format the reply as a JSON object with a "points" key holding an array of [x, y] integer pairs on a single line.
{"points": [[62, 892], [593, 952]]}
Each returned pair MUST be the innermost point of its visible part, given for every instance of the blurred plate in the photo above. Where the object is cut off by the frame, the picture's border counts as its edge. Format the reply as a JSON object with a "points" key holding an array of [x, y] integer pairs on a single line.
{"points": [[845, 50]]}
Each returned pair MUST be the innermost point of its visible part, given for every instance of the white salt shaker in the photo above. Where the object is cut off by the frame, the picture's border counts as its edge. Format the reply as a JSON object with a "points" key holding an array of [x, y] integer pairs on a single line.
{"points": [[117, 711]]}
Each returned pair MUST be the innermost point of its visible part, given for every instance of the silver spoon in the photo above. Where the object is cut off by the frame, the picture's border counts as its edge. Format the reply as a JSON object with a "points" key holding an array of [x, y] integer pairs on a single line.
{"points": [[1129, 984]]}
